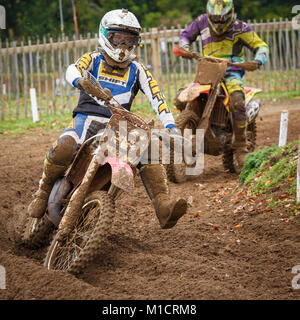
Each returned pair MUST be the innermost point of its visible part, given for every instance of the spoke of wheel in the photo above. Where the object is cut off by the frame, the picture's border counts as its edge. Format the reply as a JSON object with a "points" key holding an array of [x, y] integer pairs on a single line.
{"points": [[68, 252]]}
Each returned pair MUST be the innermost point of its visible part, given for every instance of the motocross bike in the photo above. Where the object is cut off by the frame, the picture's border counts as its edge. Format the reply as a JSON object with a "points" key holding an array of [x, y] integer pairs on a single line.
{"points": [[81, 205], [205, 105]]}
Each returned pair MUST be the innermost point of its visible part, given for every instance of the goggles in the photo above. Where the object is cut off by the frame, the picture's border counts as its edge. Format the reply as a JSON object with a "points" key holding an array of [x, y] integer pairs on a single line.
{"points": [[220, 19], [117, 38]]}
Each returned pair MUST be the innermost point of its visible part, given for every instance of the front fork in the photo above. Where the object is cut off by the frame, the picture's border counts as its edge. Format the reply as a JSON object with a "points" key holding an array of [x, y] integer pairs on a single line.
{"points": [[114, 191]]}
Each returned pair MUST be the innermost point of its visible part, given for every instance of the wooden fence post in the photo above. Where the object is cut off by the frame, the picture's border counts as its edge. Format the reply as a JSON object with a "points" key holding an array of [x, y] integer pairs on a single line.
{"points": [[8, 82], [39, 76], [298, 175], [275, 52], [53, 77], [17, 87], [174, 63], [287, 55], [1, 85], [283, 128], [156, 57], [46, 76], [280, 55], [167, 63]]}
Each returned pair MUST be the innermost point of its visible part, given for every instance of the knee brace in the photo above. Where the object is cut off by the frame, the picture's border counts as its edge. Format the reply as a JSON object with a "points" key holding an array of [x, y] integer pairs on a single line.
{"points": [[63, 151]]}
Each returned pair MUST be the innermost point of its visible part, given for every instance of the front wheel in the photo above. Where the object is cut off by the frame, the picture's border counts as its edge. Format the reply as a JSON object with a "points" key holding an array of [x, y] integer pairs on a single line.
{"points": [[74, 252]]}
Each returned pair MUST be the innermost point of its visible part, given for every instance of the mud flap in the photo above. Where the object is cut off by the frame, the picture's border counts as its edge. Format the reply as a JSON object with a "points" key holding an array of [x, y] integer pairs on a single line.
{"points": [[60, 189]]}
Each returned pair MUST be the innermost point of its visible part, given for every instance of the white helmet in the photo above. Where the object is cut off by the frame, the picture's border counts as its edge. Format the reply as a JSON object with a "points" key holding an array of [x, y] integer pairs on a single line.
{"points": [[119, 34]]}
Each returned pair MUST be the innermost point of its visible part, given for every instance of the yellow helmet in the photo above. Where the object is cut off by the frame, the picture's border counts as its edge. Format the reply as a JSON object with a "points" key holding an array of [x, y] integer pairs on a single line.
{"points": [[220, 15]]}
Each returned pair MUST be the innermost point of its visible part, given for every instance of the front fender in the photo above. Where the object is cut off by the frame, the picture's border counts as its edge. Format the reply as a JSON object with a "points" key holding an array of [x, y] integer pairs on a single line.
{"points": [[121, 174], [193, 91]]}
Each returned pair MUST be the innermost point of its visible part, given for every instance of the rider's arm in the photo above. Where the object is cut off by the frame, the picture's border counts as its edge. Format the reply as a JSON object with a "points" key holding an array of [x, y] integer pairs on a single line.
{"points": [[150, 88], [255, 44], [74, 71], [190, 33]]}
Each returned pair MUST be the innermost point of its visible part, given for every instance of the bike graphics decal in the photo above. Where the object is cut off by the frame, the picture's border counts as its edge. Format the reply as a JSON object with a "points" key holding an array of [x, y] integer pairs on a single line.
{"points": [[226, 100], [156, 94]]}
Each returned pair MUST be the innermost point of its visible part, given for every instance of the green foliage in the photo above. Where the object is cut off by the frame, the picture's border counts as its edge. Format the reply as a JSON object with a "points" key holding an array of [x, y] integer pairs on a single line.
{"points": [[41, 17], [254, 162], [270, 166], [272, 172]]}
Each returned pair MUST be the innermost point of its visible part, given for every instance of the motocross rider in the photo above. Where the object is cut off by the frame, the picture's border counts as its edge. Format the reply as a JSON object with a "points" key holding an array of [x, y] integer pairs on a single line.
{"points": [[224, 36], [114, 67]]}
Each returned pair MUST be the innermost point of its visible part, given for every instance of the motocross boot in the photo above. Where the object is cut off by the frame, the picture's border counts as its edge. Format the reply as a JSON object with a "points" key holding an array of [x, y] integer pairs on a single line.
{"points": [[57, 161], [239, 128], [51, 173], [167, 211], [239, 143]]}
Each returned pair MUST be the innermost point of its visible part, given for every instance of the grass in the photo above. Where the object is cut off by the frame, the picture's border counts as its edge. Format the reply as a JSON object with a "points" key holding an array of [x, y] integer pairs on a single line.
{"points": [[273, 172], [61, 121], [278, 95], [26, 126]]}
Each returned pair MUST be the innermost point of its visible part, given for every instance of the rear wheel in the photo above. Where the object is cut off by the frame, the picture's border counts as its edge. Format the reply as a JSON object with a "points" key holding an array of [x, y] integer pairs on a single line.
{"points": [[74, 252], [228, 155]]}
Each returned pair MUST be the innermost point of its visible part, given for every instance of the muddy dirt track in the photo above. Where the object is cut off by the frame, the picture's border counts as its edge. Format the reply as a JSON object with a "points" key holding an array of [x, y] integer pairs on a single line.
{"points": [[203, 257]]}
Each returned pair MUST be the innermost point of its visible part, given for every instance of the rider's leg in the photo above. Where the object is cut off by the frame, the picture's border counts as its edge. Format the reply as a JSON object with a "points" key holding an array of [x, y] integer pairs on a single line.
{"points": [[167, 211], [60, 156], [56, 162], [237, 106]]}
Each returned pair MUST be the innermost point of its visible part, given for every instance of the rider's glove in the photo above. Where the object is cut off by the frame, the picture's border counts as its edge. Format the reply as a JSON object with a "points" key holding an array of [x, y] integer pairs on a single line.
{"points": [[173, 130], [259, 63], [86, 86], [187, 47], [252, 65], [78, 83]]}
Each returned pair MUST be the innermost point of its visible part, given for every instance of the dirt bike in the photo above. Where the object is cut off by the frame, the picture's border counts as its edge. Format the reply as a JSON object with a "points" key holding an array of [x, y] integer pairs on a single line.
{"points": [[205, 105], [81, 206]]}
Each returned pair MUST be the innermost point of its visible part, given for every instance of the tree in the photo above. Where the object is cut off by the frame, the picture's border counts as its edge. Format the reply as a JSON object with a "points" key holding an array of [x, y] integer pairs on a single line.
{"points": [[40, 17]]}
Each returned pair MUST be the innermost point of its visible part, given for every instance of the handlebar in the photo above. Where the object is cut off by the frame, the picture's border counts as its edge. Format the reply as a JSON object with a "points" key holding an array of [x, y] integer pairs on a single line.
{"points": [[181, 52]]}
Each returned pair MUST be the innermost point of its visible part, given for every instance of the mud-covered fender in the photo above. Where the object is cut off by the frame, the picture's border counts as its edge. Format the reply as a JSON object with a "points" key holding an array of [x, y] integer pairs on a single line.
{"points": [[250, 93], [193, 91], [121, 174]]}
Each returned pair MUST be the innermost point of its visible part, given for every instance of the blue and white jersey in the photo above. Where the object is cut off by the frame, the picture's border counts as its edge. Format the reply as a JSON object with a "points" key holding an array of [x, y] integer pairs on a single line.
{"points": [[123, 84]]}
